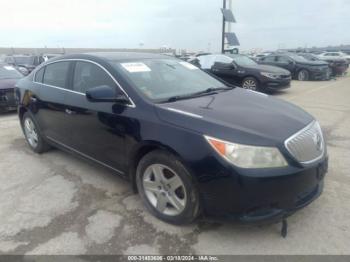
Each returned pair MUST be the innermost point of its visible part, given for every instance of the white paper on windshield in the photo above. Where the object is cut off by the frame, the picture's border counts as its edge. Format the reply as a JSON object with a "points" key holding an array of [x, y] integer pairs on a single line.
{"points": [[188, 65], [136, 67], [9, 68]]}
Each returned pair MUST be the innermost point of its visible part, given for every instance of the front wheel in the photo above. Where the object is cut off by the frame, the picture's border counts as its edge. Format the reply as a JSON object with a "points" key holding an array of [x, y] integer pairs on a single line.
{"points": [[167, 188], [303, 75], [250, 83]]}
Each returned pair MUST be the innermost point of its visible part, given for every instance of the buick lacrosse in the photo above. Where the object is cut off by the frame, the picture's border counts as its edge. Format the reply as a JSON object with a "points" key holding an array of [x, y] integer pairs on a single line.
{"points": [[189, 143]]}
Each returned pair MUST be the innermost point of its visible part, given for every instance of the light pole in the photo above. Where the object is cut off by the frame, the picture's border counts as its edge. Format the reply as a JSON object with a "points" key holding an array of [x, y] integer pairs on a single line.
{"points": [[223, 29]]}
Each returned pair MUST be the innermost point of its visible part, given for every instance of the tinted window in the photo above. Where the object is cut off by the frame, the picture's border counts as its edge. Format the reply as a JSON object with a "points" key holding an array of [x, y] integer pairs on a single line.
{"points": [[39, 75], [283, 59], [269, 59], [223, 59], [88, 75], [56, 74]]}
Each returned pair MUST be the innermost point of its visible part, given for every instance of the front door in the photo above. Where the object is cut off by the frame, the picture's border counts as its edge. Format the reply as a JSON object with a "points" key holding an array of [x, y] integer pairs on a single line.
{"points": [[97, 130]]}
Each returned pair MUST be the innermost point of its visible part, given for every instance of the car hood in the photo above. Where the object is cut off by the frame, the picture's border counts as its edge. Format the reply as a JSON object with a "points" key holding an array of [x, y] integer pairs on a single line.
{"points": [[269, 69], [8, 83], [239, 116]]}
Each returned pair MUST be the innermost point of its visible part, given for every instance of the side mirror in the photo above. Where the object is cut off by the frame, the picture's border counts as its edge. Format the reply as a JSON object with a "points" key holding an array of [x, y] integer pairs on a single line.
{"points": [[106, 94]]}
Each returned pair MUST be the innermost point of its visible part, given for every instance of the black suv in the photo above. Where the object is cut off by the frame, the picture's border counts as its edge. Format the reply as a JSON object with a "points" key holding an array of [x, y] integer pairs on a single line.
{"points": [[243, 71], [301, 68]]}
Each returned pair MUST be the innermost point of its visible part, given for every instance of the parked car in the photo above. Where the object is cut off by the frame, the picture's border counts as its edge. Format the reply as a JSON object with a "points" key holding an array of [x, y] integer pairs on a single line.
{"points": [[8, 78], [24, 63], [242, 71], [334, 55], [300, 68], [338, 65], [188, 143]]}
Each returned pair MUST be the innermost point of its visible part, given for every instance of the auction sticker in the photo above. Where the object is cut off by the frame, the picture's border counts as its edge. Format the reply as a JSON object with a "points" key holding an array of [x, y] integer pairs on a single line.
{"points": [[136, 67], [188, 65]]}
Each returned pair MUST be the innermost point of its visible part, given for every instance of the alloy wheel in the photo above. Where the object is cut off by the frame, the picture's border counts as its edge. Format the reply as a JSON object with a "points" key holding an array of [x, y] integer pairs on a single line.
{"points": [[164, 189], [250, 84], [31, 132]]}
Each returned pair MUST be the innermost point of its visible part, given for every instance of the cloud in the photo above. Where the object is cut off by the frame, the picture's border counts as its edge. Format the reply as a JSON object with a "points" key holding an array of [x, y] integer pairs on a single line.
{"points": [[191, 24]]}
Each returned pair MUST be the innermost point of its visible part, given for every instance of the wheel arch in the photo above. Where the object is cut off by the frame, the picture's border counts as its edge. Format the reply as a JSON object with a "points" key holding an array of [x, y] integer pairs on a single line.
{"points": [[139, 152]]}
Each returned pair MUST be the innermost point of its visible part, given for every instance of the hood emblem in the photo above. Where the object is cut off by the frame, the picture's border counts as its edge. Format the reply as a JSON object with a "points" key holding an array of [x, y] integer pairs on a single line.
{"points": [[317, 139]]}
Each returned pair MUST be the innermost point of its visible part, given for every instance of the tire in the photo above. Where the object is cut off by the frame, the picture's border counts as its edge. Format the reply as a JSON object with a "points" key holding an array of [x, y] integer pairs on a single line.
{"points": [[32, 134], [303, 75], [250, 83], [167, 188]]}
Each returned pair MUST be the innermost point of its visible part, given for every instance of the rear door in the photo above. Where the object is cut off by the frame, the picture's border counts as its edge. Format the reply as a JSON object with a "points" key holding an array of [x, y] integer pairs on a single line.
{"points": [[97, 130], [53, 82]]}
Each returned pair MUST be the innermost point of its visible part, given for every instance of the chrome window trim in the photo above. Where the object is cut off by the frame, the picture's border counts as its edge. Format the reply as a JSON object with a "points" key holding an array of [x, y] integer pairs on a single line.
{"points": [[132, 104], [84, 155], [307, 163]]}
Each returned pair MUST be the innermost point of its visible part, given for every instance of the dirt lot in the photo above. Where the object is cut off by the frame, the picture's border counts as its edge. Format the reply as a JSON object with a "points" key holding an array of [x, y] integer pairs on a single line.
{"points": [[59, 204]]}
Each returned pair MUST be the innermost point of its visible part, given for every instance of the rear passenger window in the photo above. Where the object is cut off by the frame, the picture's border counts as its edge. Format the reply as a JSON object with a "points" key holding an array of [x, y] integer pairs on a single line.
{"points": [[56, 74], [88, 75], [39, 75]]}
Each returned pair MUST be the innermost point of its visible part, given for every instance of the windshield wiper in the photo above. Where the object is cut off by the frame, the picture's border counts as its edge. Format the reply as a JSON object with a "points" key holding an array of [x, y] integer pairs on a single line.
{"points": [[209, 91]]}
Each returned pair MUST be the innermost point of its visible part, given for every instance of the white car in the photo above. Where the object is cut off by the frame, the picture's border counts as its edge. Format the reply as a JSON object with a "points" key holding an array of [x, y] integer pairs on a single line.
{"points": [[334, 55]]}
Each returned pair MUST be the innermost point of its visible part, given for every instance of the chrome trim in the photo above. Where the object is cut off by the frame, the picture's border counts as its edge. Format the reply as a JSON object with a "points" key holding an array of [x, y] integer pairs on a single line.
{"points": [[183, 112], [80, 93], [306, 163], [84, 155]]}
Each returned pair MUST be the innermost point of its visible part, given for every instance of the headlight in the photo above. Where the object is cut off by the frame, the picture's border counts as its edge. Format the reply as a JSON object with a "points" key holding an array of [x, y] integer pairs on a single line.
{"points": [[269, 75], [246, 156]]}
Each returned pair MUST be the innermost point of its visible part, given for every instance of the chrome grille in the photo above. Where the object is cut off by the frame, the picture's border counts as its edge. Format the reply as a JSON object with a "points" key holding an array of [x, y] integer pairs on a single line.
{"points": [[308, 145]]}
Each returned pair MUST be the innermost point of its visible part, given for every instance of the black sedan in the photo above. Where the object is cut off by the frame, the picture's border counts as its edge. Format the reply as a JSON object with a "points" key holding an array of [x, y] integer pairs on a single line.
{"points": [[338, 65], [300, 68], [8, 78], [188, 143], [242, 71]]}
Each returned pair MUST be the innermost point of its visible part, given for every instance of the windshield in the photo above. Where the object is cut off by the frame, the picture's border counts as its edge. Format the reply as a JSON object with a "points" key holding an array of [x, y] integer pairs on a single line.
{"points": [[161, 79], [24, 60], [8, 72], [242, 60]]}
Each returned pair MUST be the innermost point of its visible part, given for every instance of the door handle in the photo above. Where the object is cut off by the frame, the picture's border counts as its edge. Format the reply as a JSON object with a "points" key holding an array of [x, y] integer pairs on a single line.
{"points": [[70, 112]]}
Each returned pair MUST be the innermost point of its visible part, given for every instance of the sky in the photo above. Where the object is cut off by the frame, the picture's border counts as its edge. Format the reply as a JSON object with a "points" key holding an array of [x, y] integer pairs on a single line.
{"points": [[181, 24]]}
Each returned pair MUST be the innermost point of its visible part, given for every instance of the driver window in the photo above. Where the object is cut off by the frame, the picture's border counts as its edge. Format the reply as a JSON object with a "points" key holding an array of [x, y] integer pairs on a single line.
{"points": [[223, 59], [88, 75]]}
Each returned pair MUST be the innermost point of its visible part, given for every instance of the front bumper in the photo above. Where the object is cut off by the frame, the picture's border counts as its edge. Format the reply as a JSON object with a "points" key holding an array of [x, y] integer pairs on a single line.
{"points": [[264, 198], [274, 85], [321, 75], [7, 100]]}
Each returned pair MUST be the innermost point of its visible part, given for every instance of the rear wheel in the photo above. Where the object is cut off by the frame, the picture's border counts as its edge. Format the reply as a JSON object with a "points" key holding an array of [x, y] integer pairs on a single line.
{"points": [[33, 135], [303, 75], [167, 188], [250, 83]]}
